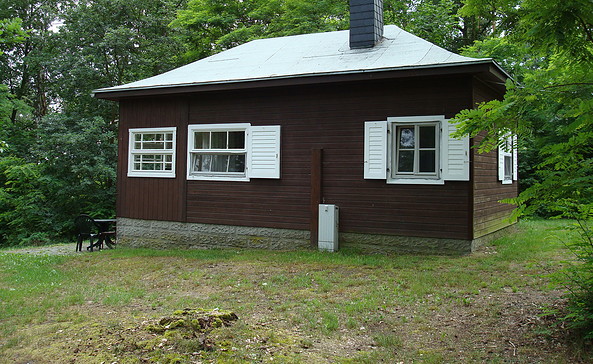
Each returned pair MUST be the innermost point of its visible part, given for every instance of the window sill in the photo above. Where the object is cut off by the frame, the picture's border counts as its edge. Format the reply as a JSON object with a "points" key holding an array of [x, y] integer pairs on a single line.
{"points": [[415, 181], [217, 178], [151, 174]]}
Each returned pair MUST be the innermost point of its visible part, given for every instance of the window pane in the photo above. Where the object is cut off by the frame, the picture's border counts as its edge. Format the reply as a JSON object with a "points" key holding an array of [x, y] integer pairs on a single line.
{"points": [[138, 137], [169, 136], [136, 166], [405, 161], [202, 162], [219, 140], [148, 137], [236, 140], [153, 145], [219, 163], [169, 145], [406, 137], [202, 140], [508, 167], [237, 163], [427, 161], [427, 136], [168, 166]]}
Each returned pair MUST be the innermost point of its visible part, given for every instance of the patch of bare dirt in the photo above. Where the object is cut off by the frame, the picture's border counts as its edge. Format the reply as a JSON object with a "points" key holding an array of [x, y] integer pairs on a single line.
{"points": [[58, 249]]}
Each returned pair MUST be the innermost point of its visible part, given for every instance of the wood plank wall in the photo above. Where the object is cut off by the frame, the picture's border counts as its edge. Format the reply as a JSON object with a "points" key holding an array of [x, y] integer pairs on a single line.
{"points": [[329, 117], [152, 198], [489, 214]]}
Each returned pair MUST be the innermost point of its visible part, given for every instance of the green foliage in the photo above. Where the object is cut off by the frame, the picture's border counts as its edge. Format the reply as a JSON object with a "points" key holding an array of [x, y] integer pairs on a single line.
{"points": [[73, 173], [22, 66], [550, 107], [11, 32], [210, 26], [49, 122], [563, 27], [578, 277], [23, 205], [78, 157], [106, 43], [437, 22]]}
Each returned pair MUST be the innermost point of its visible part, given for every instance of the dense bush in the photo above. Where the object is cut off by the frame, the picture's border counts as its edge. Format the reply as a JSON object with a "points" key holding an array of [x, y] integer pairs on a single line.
{"points": [[577, 277], [73, 171]]}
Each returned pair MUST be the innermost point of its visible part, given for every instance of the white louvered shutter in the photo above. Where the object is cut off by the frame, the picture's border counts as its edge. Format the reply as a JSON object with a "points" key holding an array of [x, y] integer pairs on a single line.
{"points": [[500, 163], [454, 154], [515, 159], [263, 152], [375, 150]]}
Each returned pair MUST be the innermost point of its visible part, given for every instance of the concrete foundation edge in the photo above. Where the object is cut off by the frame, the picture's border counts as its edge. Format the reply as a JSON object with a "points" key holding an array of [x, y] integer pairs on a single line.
{"points": [[169, 234]]}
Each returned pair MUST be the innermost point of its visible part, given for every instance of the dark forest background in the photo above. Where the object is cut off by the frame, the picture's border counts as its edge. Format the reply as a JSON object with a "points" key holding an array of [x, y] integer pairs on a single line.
{"points": [[58, 144]]}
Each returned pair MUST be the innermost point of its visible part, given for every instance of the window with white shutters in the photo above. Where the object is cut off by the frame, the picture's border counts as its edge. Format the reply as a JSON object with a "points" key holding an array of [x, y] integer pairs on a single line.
{"points": [[233, 152], [415, 150]]}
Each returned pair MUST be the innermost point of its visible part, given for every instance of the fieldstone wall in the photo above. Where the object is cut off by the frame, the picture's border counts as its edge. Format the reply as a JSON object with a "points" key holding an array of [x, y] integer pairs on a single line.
{"points": [[483, 240], [374, 243], [169, 234]]}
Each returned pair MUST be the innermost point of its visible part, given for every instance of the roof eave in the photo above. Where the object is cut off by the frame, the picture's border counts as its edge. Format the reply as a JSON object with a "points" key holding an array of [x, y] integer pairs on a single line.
{"points": [[475, 67]]}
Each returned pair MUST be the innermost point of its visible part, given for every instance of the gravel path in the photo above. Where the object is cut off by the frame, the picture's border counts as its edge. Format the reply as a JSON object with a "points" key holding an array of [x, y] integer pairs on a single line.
{"points": [[58, 249]]}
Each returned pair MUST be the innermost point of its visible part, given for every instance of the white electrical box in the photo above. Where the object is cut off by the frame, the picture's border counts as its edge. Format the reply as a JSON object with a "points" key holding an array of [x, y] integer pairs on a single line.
{"points": [[328, 227]]}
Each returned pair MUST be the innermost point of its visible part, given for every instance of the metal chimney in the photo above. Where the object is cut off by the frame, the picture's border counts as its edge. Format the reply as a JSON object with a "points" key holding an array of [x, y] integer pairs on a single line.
{"points": [[366, 23]]}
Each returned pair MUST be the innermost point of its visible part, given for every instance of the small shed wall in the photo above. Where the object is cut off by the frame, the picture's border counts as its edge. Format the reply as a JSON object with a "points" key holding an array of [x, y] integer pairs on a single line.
{"points": [[489, 213], [330, 117]]}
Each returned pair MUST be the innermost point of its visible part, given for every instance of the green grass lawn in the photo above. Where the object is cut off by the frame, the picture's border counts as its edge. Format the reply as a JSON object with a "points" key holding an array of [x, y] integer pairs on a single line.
{"points": [[292, 307]]}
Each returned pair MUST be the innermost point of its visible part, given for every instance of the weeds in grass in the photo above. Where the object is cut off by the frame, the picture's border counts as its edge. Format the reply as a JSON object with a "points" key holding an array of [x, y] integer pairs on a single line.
{"points": [[300, 306], [388, 340]]}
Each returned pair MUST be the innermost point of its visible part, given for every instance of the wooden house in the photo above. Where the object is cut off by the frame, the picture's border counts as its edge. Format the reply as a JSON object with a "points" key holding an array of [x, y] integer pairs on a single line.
{"points": [[240, 148]]}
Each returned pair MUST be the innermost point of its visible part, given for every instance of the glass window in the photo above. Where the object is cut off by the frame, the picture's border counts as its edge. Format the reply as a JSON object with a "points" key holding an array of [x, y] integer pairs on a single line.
{"points": [[217, 153], [152, 152], [416, 150], [508, 168], [505, 155]]}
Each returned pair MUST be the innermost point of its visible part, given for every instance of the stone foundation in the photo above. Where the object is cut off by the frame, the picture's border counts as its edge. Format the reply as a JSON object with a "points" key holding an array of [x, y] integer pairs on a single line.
{"points": [[375, 243], [169, 234]]}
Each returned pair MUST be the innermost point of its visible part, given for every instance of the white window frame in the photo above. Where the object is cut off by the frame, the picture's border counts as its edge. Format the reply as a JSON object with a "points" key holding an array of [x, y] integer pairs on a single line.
{"points": [[393, 176], [192, 150], [453, 162], [507, 160], [395, 151], [132, 152]]}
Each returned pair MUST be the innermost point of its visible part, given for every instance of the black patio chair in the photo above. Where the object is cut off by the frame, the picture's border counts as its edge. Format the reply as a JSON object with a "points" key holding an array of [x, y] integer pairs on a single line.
{"points": [[85, 229]]}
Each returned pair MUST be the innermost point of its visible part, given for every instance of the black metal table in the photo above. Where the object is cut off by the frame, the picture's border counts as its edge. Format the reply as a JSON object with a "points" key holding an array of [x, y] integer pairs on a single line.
{"points": [[105, 233]]}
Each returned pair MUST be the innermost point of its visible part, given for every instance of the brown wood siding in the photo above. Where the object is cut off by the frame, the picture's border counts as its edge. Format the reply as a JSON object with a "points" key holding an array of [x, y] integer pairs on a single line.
{"points": [[331, 117], [489, 213], [152, 198]]}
